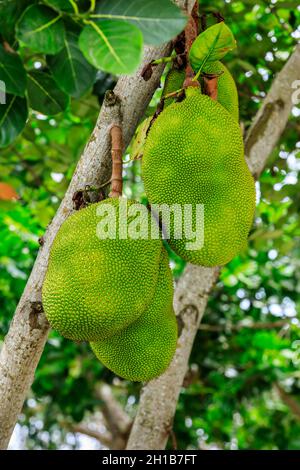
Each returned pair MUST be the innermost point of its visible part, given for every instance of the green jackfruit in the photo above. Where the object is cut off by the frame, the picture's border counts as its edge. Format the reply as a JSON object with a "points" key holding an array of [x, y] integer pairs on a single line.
{"points": [[194, 155], [174, 81], [145, 348], [95, 287], [227, 91]]}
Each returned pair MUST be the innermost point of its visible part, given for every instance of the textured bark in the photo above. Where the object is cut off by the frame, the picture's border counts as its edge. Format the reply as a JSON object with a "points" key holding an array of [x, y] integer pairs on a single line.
{"points": [[27, 335], [272, 117], [159, 397]]}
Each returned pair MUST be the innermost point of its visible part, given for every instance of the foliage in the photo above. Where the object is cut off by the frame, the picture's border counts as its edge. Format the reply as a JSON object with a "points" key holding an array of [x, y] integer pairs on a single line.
{"points": [[68, 41], [211, 45], [231, 396]]}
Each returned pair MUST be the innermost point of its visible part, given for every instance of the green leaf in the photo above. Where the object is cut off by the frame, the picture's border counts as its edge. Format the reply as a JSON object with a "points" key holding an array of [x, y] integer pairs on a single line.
{"points": [[12, 72], [159, 20], [61, 5], [42, 29], [10, 12], [13, 117], [112, 46], [73, 74], [213, 44], [44, 94]]}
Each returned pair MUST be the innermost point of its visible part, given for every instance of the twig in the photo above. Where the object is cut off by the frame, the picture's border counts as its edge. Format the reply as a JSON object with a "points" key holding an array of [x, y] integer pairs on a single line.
{"points": [[104, 438], [218, 15], [117, 162], [8, 48], [173, 94], [115, 414], [96, 188]]}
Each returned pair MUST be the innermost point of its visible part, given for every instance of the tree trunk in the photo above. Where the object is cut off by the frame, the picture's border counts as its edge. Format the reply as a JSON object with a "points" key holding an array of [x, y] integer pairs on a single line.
{"points": [[159, 397]]}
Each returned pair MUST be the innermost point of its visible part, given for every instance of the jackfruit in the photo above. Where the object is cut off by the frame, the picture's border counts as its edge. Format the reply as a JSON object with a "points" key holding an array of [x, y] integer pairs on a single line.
{"points": [[194, 155], [95, 287], [227, 91], [173, 82], [145, 348]]}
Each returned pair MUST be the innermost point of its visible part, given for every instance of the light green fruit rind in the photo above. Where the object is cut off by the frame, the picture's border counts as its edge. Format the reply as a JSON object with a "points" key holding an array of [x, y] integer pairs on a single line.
{"points": [[93, 288], [144, 349], [174, 81], [194, 155], [227, 91]]}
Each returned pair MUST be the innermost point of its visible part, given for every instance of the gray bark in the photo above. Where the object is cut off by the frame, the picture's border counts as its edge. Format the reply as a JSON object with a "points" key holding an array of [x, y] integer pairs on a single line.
{"points": [[159, 397], [28, 331], [272, 117]]}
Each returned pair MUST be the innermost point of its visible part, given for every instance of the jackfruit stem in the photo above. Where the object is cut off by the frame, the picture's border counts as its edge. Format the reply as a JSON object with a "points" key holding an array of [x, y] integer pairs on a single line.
{"points": [[211, 87], [117, 161], [173, 94], [163, 60]]}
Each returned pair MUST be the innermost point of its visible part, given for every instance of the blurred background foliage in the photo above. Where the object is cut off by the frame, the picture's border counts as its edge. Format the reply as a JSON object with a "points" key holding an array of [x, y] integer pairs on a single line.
{"points": [[242, 390]]}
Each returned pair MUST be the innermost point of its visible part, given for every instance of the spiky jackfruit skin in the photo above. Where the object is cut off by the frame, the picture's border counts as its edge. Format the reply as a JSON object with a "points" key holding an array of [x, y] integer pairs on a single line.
{"points": [[95, 287], [145, 348], [194, 155], [174, 81], [227, 91]]}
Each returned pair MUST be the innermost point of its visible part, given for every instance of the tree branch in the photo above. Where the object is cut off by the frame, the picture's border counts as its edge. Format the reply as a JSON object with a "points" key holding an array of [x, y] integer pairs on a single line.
{"points": [[28, 332], [159, 397], [272, 117], [114, 422], [104, 438], [118, 421]]}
